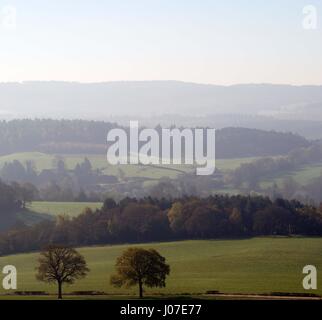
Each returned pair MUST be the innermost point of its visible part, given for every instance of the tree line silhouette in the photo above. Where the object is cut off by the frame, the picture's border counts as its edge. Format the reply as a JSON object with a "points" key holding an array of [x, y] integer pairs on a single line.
{"points": [[149, 219], [89, 137]]}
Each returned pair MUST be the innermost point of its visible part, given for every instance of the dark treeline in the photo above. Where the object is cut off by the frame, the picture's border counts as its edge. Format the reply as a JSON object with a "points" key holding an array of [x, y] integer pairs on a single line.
{"points": [[132, 220], [310, 193], [89, 137], [13, 198], [244, 142], [54, 136]]}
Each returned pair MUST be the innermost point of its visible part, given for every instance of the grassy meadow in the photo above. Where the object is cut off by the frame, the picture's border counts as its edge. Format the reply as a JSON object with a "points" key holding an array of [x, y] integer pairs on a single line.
{"points": [[302, 175], [71, 209], [258, 265], [44, 161]]}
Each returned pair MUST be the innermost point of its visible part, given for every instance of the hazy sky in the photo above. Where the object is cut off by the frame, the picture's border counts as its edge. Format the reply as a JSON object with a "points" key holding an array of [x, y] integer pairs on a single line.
{"points": [[219, 42]]}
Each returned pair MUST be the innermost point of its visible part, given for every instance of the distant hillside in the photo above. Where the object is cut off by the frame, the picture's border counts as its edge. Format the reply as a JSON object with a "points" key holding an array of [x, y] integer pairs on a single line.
{"points": [[310, 129], [145, 98], [242, 142], [88, 137], [12, 207]]}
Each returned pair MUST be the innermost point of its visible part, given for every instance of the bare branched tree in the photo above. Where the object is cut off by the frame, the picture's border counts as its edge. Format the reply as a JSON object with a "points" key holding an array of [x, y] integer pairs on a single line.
{"points": [[60, 264]]}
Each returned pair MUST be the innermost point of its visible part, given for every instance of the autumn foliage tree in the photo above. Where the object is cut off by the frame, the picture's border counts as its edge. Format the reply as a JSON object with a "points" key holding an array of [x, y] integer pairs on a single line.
{"points": [[59, 264], [137, 266]]}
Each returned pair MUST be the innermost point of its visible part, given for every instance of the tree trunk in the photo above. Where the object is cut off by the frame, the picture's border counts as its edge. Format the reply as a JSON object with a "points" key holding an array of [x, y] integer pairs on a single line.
{"points": [[140, 289], [60, 296]]}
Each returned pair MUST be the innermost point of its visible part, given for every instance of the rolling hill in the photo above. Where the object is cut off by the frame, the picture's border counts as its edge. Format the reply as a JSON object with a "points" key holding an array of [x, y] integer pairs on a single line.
{"points": [[101, 100], [89, 137], [258, 265]]}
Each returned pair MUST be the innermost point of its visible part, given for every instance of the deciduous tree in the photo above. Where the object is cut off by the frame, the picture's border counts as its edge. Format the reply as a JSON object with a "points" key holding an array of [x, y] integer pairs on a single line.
{"points": [[137, 266], [59, 264]]}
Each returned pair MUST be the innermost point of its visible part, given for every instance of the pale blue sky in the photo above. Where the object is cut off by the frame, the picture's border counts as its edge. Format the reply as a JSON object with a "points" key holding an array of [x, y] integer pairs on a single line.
{"points": [[219, 42]]}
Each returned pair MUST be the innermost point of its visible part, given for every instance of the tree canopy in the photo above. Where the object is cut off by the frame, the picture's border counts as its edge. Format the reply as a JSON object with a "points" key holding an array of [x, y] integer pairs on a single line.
{"points": [[142, 267], [59, 264]]}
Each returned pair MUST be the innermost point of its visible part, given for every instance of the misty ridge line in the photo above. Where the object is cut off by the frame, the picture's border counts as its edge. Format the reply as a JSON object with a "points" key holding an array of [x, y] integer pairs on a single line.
{"points": [[148, 98], [282, 108]]}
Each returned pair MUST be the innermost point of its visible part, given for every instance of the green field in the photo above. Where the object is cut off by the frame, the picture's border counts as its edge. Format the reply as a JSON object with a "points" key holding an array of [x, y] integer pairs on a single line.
{"points": [[302, 175], [71, 209], [258, 265], [45, 161], [231, 164]]}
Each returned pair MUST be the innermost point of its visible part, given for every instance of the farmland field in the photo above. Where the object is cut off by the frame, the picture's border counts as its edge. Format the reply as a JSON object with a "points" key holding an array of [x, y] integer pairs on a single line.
{"points": [[45, 161], [303, 175], [71, 209], [258, 265]]}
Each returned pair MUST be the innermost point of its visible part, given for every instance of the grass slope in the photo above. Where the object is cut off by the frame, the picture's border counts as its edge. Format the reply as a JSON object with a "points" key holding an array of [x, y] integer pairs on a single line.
{"points": [[39, 211], [45, 161], [71, 209], [258, 265], [302, 175]]}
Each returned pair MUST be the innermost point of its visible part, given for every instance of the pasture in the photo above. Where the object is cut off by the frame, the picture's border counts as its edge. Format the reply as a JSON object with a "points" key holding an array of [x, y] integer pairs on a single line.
{"points": [[71, 209], [258, 265]]}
